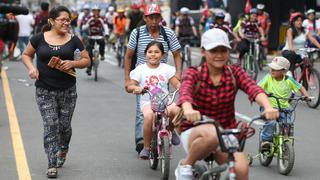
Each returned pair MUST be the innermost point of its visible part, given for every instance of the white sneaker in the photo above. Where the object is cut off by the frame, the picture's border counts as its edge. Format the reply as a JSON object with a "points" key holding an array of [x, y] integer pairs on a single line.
{"points": [[184, 172]]}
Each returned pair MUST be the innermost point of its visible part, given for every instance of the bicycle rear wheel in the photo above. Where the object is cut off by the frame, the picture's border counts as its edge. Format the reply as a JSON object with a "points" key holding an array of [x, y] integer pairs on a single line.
{"points": [[153, 159], [286, 162], [165, 157], [313, 88]]}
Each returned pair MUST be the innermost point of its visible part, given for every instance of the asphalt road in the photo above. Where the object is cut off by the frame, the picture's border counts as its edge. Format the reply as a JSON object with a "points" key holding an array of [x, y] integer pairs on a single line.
{"points": [[102, 145]]}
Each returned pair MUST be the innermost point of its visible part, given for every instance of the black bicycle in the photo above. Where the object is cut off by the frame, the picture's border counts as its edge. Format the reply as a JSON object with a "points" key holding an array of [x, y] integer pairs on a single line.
{"points": [[185, 50]]}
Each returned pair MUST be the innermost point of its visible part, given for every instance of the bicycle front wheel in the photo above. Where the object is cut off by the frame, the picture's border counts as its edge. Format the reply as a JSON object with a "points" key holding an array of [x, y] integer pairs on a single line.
{"points": [[153, 159], [188, 58], [165, 157], [251, 67], [313, 88], [286, 162]]}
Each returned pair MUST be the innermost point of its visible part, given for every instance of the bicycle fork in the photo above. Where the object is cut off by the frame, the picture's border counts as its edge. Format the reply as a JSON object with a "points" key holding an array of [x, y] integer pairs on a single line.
{"points": [[163, 132]]}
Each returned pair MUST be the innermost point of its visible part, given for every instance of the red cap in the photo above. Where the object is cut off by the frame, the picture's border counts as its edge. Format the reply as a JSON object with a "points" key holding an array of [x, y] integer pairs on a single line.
{"points": [[295, 15], [151, 9], [135, 6]]}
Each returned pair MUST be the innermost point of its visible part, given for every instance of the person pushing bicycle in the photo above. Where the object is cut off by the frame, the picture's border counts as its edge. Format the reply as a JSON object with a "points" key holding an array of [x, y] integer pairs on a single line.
{"points": [[280, 85], [155, 76]]}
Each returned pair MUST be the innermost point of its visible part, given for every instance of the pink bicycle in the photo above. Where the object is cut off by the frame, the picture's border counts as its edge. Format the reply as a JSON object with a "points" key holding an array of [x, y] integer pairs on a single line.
{"points": [[160, 148]]}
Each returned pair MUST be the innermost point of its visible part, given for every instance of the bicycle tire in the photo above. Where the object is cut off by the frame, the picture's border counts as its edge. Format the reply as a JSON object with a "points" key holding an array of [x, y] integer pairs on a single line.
{"points": [[198, 170], [313, 88], [285, 167], [265, 158], [188, 61], [251, 67], [153, 158], [165, 157], [95, 71]]}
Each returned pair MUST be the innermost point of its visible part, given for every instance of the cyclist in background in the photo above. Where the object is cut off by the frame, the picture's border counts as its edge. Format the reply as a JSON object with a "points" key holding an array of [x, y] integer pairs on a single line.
{"points": [[84, 17], [134, 18], [263, 18], [282, 86], [96, 26], [185, 24], [120, 23], [249, 29], [223, 25], [296, 39], [312, 25]]}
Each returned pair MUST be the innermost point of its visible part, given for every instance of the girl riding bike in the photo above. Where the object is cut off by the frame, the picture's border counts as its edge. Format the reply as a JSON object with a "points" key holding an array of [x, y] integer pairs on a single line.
{"points": [[155, 76], [217, 88]]}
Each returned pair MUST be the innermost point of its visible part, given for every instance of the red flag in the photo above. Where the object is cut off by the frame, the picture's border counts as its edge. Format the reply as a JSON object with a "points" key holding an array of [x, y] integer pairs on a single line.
{"points": [[247, 7]]}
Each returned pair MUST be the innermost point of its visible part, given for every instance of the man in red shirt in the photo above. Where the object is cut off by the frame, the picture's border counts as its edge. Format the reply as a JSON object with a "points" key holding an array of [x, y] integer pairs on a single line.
{"points": [[215, 97], [263, 18]]}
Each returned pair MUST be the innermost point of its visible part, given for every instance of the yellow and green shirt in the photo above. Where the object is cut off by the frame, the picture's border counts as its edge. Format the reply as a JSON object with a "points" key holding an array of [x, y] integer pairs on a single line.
{"points": [[282, 89]]}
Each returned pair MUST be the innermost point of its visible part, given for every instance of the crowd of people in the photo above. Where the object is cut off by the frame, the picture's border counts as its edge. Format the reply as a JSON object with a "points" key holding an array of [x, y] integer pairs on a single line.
{"points": [[58, 33]]}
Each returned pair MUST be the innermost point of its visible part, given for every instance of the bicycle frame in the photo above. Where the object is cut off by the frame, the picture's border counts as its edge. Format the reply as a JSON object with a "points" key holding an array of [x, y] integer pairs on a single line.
{"points": [[186, 53], [229, 144]]}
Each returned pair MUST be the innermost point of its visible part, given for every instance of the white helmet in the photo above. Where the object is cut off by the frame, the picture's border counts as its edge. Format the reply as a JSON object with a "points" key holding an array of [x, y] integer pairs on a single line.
{"points": [[86, 6], [260, 6], [310, 11], [95, 7], [110, 8], [184, 10]]}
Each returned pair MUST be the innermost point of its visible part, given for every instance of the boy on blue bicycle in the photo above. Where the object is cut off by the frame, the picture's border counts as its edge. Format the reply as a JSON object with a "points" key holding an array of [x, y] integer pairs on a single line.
{"points": [[154, 76], [280, 85]]}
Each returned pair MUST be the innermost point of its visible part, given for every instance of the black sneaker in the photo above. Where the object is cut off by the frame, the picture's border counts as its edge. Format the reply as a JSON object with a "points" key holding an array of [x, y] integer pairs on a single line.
{"points": [[88, 72], [102, 58], [139, 147]]}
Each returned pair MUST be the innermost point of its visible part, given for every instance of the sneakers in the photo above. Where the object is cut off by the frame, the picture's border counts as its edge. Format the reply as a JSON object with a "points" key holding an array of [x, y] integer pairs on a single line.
{"points": [[144, 154], [184, 172], [139, 147], [265, 146], [88, 71], [102, 58], [175, 138]]}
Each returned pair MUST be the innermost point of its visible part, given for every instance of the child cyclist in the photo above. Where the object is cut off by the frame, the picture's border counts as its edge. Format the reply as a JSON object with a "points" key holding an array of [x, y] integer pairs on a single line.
{"points": [[280, 85], [155, 76]]}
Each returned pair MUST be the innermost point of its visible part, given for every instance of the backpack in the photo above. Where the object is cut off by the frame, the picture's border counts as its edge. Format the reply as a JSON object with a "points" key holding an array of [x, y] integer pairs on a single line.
{"points": [[135, 57], [185, 28], [43, 21]]}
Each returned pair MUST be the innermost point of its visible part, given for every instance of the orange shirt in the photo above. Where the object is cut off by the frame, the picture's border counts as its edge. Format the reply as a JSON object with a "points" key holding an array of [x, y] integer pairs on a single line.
{"points": [[120, 25]]}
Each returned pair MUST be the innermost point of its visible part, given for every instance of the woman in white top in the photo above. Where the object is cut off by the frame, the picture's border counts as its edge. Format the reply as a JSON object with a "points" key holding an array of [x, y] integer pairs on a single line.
{"points": [[296, 38]]}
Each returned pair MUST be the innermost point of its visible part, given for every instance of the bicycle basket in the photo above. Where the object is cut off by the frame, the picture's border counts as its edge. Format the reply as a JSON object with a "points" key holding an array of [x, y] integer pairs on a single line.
{"points": [[159, 102]]}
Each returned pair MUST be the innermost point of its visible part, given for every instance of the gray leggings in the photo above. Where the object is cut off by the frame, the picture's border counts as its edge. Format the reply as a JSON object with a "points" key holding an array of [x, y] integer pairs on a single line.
{"points": [[56, 108]]}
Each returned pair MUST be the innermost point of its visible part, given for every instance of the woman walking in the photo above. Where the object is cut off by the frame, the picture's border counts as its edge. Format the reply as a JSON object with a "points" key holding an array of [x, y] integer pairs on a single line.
{"points": [[56, 92]]}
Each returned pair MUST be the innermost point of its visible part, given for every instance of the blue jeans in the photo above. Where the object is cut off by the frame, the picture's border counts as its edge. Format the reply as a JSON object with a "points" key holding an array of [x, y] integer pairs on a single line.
{"points": [[269, 126], [139, 122], [22, 43]]}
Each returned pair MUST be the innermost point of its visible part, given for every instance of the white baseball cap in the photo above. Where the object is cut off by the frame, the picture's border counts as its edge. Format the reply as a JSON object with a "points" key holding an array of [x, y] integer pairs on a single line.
{"points": [[279, 63], [310, 11], [213, 38]]}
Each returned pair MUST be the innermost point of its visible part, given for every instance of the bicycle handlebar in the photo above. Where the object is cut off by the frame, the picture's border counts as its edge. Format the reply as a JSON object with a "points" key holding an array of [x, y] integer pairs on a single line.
{"points": [[172, 94], [299, 98]]}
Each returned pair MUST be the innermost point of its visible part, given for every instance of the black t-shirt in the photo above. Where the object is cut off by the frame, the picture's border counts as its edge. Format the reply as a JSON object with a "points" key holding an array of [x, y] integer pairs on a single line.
{"points": [[50, 78]]}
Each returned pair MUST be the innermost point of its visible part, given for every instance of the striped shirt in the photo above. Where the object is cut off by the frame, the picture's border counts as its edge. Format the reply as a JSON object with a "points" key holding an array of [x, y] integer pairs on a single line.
{"points": [[145, 38]]}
